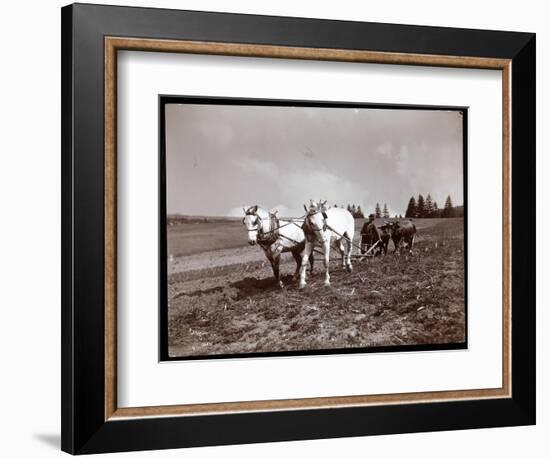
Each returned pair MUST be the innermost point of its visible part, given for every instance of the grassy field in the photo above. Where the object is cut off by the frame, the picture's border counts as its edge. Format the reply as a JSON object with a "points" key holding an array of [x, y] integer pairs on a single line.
{"points": [[192, 238], [222, 298]]}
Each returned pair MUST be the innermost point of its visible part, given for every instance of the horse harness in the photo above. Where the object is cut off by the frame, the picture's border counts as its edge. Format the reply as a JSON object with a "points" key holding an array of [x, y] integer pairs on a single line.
{"points": [[267, 238], [270, 236], [308, 229]]}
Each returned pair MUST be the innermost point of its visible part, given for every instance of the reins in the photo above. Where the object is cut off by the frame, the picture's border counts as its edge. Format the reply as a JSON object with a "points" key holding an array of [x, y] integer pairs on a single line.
{"points": [[259, 221], [264, 236]]}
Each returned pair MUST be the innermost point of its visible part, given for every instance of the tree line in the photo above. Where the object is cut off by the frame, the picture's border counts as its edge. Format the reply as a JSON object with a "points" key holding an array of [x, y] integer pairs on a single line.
{"points": [[357, 212], [428, 208], [417, 208]]}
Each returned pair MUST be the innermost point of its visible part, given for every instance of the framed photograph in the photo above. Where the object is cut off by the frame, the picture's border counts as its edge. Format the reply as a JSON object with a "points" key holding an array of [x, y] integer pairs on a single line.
{"points": [[281, 228], [220, 298]]}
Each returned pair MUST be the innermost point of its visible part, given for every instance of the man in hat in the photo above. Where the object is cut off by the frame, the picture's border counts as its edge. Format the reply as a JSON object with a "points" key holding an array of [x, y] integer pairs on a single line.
{"points": [[370, 235]]}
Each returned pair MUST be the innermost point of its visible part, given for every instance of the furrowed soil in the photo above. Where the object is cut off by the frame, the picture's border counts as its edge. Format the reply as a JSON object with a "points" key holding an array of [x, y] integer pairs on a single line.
{"points": [[225, 301]]}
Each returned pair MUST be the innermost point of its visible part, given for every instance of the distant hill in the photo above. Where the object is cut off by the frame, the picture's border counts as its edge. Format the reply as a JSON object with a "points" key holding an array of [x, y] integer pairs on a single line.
{"points": [[175, 219]]}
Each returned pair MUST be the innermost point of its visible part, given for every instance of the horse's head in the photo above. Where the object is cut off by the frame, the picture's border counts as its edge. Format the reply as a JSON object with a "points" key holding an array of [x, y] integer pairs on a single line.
{"points": [[386, 227], [253, 223], [316, 217], [392, 227]]}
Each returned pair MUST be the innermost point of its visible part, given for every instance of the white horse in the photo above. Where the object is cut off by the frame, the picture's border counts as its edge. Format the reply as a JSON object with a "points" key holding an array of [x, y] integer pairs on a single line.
{"points": [[275, 236], [322, 227]]}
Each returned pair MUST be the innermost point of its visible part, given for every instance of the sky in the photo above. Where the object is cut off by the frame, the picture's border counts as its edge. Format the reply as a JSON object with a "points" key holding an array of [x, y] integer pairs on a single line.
{"points": [[220, 158]]}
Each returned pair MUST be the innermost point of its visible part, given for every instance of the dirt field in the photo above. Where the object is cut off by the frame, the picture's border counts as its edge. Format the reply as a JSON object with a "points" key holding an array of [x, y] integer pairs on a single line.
{"points": [[225, 301]]}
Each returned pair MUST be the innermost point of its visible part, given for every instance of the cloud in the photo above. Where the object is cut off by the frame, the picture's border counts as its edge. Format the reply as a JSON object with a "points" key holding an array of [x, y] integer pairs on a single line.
{"points": [[282, 188], [254, 166], [236, 211], [385, 150], [282, 210], [221, 156], [323, 185]]}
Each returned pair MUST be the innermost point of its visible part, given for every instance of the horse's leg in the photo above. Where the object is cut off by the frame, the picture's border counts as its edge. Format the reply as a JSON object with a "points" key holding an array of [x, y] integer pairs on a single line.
{"points": [[269, 256], [298, 258], [348, 252], [412, 243], [342, 250], [308, 251], [400, 245], [277, 250], [326, 253], [276, 271], [311, 264]]}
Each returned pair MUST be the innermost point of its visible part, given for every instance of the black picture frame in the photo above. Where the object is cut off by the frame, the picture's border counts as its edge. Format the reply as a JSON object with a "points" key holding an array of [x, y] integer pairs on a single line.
{"points": [[85, 428]]}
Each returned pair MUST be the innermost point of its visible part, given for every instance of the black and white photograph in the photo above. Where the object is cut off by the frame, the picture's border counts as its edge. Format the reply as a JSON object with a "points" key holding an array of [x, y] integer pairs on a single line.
{"points": [[311, 228]]}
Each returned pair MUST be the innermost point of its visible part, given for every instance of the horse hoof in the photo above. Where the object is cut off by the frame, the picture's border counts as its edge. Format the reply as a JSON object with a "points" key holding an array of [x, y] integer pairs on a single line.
{"points": [[327, 283], [281, 285], [349, 269], [302, 285]]}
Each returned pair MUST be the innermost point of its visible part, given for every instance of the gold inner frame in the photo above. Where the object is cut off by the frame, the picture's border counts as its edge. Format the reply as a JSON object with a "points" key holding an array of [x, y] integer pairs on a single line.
{"points": [[114, 44]]}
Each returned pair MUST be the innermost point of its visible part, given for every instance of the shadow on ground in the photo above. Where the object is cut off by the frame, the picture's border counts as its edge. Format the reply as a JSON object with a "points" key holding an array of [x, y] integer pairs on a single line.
{"points": [[53, 440]]}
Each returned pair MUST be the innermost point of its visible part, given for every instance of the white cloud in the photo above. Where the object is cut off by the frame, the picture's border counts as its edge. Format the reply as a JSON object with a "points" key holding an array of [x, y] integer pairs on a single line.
{"points": [[293, 188], [300, 187], [258, 167], [279, 156], [385, 150], [236, 211]]}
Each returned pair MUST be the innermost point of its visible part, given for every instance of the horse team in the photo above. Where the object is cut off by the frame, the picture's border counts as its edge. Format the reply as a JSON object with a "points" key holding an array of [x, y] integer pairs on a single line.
{"points": [[377, 238], [320, 227]]}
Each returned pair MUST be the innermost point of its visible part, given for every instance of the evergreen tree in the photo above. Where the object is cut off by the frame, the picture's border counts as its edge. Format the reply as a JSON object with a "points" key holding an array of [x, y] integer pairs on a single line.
{"points": [[349, 208], [377, 212], [420, 210], [436, 210], [354, 211], [385, 213], [448, 208], [411, 208], [428, 207], [360, 212]]}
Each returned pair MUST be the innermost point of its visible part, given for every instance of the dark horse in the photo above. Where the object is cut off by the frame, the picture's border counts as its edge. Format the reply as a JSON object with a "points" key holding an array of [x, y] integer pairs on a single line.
{"points": [[375, 237]]}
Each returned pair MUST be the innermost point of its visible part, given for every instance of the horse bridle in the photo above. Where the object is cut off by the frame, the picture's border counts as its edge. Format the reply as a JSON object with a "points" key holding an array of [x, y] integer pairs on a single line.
{"points": [[313, 213], [258, 222]]}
